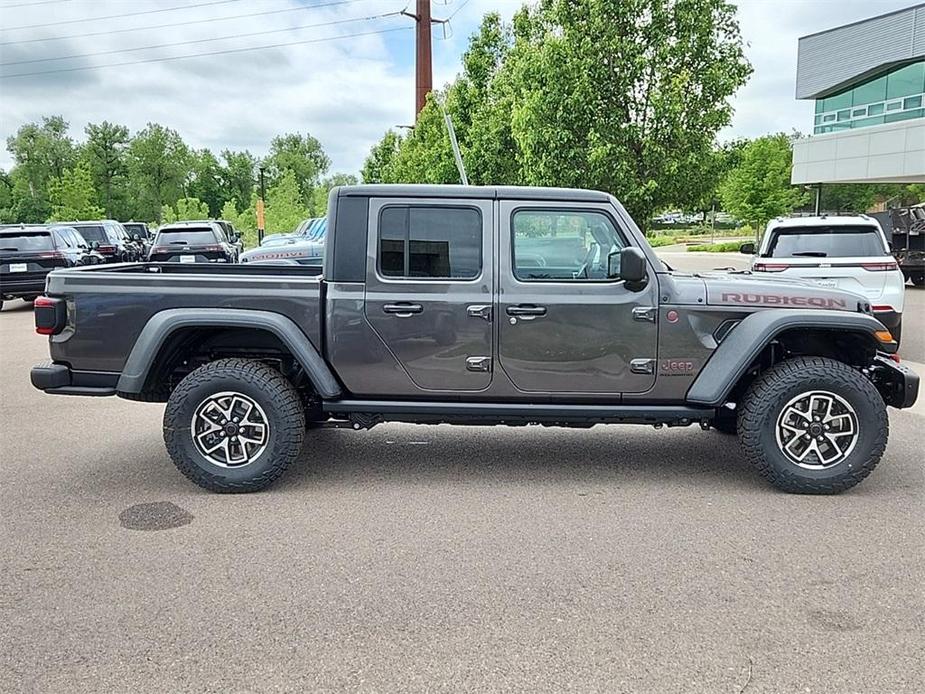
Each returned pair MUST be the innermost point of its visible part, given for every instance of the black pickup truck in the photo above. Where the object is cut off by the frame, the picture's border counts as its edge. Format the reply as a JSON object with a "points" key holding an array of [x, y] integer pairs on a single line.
{"points": [[477, 305]]}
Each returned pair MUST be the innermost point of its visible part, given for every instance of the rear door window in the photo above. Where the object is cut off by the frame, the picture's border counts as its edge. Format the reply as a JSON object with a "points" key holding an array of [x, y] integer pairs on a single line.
{"points": [[24, 241], [826, 242], [424, 242]]}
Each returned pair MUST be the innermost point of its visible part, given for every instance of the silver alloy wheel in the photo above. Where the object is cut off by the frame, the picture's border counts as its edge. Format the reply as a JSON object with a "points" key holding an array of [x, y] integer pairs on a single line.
{"points": [[230, 429], [817, 430]]}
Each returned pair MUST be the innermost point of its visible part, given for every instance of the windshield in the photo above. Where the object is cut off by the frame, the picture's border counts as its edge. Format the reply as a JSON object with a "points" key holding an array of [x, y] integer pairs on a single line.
{"points": [[188, 237], [825, 242], [26, 241], [93, 233]]}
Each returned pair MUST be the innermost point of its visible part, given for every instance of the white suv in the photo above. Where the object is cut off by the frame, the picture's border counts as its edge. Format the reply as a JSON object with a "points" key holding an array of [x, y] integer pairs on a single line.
{"points": [[849, 253]]}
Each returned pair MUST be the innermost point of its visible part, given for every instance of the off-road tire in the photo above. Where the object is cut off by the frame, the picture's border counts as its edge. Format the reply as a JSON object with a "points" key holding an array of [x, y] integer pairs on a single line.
{"points": [[769, 394], [268, 388]]}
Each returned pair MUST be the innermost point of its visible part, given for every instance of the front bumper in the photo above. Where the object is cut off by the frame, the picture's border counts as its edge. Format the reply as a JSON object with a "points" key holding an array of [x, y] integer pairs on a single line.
{"points": [[897, 383], [60, 379]]}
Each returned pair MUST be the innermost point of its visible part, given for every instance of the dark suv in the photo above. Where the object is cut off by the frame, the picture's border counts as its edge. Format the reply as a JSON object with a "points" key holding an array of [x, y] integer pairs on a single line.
{"points": [[29, 253], [192, 242], [110, 240]]}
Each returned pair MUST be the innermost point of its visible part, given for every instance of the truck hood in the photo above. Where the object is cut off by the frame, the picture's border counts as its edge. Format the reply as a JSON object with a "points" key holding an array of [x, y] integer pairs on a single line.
{"points": [[762, 290]]}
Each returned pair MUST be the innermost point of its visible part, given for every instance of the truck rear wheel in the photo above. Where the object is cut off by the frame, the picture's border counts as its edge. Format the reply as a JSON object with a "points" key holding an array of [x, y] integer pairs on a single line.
{"points": [[813, 425], [234, 425]]}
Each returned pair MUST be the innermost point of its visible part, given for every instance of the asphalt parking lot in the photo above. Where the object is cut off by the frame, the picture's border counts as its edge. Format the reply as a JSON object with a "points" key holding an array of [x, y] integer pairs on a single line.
{"points": [[412, 558]]}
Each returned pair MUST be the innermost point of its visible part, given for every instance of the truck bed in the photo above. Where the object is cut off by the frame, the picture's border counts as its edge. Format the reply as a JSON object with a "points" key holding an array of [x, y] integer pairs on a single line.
{"points": [[114, 302]]}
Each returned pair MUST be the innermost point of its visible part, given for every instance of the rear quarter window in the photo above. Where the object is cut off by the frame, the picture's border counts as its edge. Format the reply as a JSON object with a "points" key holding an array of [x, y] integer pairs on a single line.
{"points": [[826, 242], [93, 232]]}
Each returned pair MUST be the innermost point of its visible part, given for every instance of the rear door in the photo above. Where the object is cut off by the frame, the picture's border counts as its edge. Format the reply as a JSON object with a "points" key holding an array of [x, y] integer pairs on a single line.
{"points": [[429, 290], [564, 326]]}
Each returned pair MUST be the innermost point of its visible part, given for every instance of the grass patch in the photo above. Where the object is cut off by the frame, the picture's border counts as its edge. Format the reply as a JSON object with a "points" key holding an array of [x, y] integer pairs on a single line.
{"points": [[656, 241], [727, 247]]}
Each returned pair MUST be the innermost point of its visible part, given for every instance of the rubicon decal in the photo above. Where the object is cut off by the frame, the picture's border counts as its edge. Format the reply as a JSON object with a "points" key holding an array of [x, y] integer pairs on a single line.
{"points": [[782, 300]]}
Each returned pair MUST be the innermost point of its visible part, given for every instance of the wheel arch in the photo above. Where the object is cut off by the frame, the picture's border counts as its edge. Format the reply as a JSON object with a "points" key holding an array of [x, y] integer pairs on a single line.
{"points": [[766, 337], [156, 336]]}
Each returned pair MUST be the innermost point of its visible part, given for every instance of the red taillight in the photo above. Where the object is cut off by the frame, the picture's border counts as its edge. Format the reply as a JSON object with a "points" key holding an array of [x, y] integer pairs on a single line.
{"points": [[771, 267], [52, 254], [880, 267], [894, 357], [881, 309], [212, 248], [50, 315], [106, 249]]}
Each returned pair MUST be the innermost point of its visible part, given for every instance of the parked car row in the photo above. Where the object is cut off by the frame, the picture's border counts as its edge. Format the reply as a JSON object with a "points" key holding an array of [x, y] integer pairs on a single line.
{"points": [[28, 252]]}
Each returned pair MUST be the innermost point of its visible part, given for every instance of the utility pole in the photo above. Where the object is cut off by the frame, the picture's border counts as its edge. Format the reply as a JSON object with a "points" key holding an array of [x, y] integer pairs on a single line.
{"points": [[423, 61], [423, 74]]}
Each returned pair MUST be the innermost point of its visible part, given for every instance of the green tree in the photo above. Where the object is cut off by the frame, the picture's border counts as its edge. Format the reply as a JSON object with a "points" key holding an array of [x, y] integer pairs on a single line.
{"points": [[158, 164], [6, 198], [300, 154], [237, 176], [319, 203], [847, 197], [185, 209], [285, 207], [623, 96], [206, 180], [377, 168], [72, 195], [104, 152], [40, 152], [759, 189]]}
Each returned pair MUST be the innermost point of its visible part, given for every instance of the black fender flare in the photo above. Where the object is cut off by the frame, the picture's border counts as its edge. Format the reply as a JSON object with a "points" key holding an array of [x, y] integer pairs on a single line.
{"points": [[742, 346], [162, 324]]}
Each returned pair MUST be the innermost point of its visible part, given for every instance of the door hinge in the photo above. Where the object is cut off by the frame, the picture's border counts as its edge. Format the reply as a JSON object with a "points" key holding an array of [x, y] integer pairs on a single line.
{"points": [[644, 313], [478, 363], [642, 366], [482, 311]]}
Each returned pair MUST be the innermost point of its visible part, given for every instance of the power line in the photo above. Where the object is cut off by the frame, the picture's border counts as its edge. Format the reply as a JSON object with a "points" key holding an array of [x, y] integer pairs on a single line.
{"points": [[456, 11], [195, 41], [201, 55], [30, 4], [119, 16], [209, 20]]}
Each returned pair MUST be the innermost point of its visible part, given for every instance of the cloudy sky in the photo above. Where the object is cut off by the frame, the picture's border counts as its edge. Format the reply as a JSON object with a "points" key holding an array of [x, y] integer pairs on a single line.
{"points": [[342, 71]]}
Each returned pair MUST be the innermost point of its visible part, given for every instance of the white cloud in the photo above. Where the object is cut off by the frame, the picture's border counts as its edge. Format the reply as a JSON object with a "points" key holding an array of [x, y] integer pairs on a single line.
{"points": [[345, 92]]}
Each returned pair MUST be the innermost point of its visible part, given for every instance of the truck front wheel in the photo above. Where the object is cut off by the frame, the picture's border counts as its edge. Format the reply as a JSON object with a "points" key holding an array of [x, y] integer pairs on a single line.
{"points": [[813, 425], [234, 425]]}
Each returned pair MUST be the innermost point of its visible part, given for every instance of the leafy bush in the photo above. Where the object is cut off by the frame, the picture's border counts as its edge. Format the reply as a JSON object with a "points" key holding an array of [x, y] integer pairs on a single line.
{"points": [[727, 247]]}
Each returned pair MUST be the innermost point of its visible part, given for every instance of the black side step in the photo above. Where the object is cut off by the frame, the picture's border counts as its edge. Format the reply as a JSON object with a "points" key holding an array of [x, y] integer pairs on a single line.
{"points": [[485, 412]]}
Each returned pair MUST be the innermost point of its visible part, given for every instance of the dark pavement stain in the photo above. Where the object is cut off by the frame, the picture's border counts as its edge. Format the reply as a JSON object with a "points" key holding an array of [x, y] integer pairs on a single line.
{"points": [[161, 515]]}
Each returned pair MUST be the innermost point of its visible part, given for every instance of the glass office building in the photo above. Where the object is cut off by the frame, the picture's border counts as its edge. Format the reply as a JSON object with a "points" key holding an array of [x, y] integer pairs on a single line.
{"points": [[867, 81]]}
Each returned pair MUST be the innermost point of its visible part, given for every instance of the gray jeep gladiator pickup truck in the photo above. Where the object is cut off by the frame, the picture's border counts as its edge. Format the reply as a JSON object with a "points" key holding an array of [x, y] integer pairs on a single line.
{"points": [[476, 305]]}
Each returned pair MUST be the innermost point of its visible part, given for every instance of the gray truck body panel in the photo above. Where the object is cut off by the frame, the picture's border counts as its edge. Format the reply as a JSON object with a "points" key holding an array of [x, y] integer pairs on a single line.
{"points": [[599, 344]]}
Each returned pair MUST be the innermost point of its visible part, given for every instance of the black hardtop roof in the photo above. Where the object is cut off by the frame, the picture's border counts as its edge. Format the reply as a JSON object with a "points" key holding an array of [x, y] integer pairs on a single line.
{"points": [[415, 190]]}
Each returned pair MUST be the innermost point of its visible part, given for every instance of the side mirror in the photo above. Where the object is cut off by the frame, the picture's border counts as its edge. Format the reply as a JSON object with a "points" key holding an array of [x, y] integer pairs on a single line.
{"points": [[747, 248], [628, 264]]}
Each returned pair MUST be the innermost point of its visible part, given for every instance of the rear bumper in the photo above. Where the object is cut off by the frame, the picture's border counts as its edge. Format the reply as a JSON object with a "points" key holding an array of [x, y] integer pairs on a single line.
{"points": [[22, 287], [60, 379], [897, 383]]}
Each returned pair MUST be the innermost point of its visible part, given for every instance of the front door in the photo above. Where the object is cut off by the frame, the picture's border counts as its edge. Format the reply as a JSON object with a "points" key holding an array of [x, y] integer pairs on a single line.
{"points": [[564, 326], [429, 290]]}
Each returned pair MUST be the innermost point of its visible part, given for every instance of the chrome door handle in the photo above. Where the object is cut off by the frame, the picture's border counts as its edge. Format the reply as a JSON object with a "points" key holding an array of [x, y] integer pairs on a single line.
{"points": [[403, 310], [482, 311], [524, 310]]}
